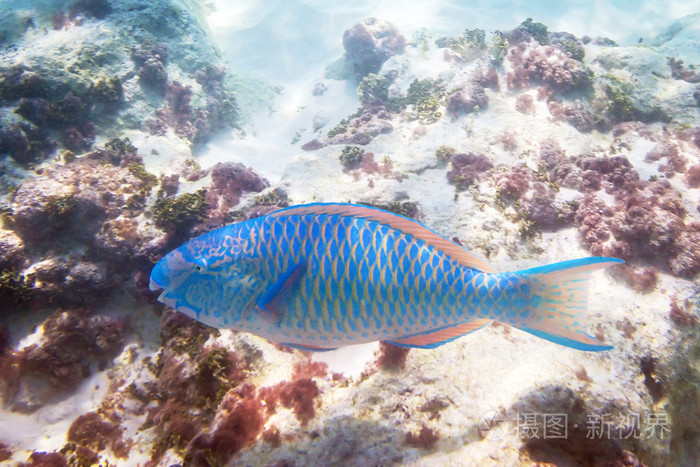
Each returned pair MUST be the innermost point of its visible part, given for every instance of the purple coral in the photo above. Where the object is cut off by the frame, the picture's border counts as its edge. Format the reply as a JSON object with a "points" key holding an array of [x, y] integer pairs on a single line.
{"points": [[73, 338], [575, 113], [536, 64], [151, 62], [369, 43], [466, 100], [466, 169]]}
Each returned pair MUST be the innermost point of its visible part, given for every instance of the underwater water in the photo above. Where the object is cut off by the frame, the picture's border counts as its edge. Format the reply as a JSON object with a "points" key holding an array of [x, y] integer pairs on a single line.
{"points": [[528, 133]]}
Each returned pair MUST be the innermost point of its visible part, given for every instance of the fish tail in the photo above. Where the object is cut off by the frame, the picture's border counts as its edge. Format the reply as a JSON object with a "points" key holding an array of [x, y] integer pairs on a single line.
{"points": [[560, 302]]}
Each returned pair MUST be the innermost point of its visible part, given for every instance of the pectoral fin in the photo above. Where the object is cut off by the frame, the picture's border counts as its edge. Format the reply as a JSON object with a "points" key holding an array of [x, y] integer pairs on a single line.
{"points": [[272, 304]]}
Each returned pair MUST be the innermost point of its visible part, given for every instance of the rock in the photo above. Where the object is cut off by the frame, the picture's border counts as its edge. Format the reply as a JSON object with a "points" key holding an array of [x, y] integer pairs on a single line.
{"points": [[369, 44], [12, 247], [466, 100]]}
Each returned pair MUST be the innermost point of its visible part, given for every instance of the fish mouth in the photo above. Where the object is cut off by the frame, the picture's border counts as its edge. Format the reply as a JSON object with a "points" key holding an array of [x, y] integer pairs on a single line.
{"points": [[153, 286], [167, 300]]}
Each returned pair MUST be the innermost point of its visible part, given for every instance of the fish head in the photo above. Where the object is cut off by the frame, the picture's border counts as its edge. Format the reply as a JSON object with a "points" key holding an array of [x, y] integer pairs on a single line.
{"points": [[207, 278]]}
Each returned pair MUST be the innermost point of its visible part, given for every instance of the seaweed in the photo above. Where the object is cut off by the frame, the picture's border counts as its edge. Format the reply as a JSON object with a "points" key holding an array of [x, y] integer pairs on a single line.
{"points": [[180, 213], [121, 146], [403, 208], [15, 288], [499, 47], [351, 157], [537, 31], [140, 172], [107, 91], [465, 46], [372, 88]]}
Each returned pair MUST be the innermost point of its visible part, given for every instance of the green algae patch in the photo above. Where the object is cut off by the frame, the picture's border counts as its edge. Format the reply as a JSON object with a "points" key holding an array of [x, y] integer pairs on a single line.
{"points": [[180, 213]]}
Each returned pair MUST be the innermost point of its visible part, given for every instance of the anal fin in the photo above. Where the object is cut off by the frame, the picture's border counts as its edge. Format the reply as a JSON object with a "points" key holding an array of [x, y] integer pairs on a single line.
{"points": [[432, 339], [308, 348], [270, 305]]}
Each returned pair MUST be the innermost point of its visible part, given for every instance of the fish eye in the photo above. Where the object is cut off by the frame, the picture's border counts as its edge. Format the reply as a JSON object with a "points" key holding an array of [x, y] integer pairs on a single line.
{"points": [[198, 268]]}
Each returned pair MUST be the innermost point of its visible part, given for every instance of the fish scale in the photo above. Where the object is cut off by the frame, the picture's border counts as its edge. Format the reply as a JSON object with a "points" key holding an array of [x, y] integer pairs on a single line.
{"points": [[322, 275]]}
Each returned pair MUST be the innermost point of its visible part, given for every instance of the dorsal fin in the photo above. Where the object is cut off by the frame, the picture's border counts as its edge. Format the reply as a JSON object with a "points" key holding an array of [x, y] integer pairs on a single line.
{"points": [[398, 222]]}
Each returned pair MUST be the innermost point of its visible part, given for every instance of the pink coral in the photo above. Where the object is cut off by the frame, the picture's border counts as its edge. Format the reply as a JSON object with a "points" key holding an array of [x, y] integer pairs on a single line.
{"points": [[467, 168], [524, 104], [466, 100]]}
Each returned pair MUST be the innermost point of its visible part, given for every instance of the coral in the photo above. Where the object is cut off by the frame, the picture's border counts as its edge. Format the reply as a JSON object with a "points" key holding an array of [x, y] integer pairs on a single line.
{"points": [[229, 182], [675, 163], [69, 280], [13, 251], [641, 279], [79, 455], [425, 439], [575, 113], [547, 65], [25, 143], [362, 128], [678, 71], [486, 78], [469, 45], [313, 145], [152, 60], [392, 357], [71, 201], [239, 422], [191, 392], [298, 395], [524, 104], [351, 157], [94, 431], [73, 338], [444, 154], [551, 154], [646, 221], [679, 315], [692, 176], [169, 185], [369, 44], [513, 183], [466, 169], [466, 100], [686, 255], [46, 459], [5, 452]]}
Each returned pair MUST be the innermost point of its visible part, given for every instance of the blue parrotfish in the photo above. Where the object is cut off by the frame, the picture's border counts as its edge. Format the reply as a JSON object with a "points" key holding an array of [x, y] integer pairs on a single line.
{"points": [[319, 276]]}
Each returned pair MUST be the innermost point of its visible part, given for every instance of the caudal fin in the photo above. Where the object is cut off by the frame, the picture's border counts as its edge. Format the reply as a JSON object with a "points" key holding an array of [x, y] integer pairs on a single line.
{"points": [[560, 302]]}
